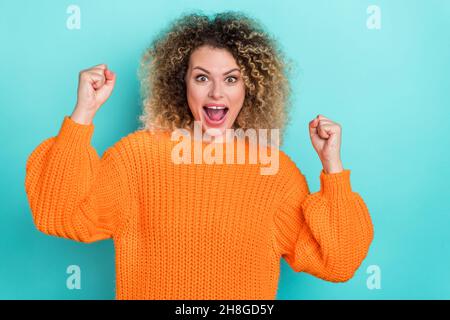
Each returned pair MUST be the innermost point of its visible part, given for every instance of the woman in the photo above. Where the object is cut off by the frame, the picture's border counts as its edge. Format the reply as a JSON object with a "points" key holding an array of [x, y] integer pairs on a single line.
{"points": [[200, 231]]}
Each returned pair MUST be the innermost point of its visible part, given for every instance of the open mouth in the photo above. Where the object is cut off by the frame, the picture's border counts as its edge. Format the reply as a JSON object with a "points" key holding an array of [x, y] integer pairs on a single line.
{"points": [[215, 114]]}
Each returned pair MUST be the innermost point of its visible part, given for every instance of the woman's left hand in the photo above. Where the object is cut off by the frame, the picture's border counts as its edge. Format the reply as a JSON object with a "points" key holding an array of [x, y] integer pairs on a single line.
{"points": [[325, 136]]}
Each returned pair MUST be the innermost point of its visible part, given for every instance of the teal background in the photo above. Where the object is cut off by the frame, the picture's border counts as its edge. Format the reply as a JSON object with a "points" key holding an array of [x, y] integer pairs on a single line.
{"points": [[387, 88]]}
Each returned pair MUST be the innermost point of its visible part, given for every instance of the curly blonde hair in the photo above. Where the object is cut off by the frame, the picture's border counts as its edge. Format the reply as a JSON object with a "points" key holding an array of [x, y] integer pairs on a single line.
{"points": [[264, 68]]}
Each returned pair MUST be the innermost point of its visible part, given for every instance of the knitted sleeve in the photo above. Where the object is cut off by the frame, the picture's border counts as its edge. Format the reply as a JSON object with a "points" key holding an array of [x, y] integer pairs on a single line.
{"points": [[326, 234], [73, 193]]}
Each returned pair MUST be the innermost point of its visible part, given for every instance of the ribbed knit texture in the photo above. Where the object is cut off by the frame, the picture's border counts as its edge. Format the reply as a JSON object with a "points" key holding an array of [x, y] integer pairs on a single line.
{"points": [[194, 231]]}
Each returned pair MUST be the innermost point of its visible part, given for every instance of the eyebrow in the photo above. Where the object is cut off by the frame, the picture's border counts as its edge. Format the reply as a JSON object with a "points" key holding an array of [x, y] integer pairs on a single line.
{"points": [[223, 74]]}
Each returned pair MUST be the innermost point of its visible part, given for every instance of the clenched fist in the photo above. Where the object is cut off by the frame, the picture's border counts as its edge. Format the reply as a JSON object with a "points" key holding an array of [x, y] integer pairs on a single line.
{"points": [[95, 85], [325, 136]]}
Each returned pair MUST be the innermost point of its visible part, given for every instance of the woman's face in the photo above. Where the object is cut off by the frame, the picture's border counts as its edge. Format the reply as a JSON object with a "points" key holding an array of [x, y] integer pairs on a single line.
{"points": [[215, 89]]}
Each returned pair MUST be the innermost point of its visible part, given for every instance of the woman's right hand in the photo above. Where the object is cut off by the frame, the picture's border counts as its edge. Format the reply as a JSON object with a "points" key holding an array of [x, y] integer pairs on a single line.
{"points": [[95, 85]]}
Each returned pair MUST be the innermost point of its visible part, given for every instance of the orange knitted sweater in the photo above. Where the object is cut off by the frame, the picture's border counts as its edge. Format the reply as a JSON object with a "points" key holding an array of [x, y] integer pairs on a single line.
{"points": [[194, 231]]}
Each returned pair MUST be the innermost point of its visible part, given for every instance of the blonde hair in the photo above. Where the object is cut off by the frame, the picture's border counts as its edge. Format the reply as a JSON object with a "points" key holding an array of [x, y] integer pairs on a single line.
{"points": [[263, 67]]}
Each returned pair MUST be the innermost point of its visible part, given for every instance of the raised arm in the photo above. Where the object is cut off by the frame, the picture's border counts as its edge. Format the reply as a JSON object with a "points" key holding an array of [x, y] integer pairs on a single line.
{"points": [[72, 192], [326, 234]]}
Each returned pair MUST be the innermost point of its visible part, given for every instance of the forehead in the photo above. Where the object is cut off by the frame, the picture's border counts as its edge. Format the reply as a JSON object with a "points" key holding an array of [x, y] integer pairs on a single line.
{"points": [[212, 59]]}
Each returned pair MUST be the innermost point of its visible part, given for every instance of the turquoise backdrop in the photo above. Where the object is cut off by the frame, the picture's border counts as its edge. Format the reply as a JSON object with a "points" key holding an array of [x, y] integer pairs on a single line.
{"points": [[387, 86]]}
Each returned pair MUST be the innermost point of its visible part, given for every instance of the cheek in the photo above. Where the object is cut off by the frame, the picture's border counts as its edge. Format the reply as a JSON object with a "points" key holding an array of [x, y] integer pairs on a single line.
{"points": [[238, 98], [196, 93], [195, 97]]}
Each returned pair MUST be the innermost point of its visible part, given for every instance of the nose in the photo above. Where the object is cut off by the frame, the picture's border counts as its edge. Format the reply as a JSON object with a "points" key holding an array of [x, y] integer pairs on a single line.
{"points": [[215, 91]]}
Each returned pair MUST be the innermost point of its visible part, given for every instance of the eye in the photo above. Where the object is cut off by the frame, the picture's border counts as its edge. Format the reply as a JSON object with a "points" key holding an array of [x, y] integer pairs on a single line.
{"points": [[200, 76], [235, 79]]}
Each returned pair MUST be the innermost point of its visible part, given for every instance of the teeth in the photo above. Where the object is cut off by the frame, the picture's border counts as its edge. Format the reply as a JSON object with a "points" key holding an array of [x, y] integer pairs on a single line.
{"points": [[216, 107]]}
